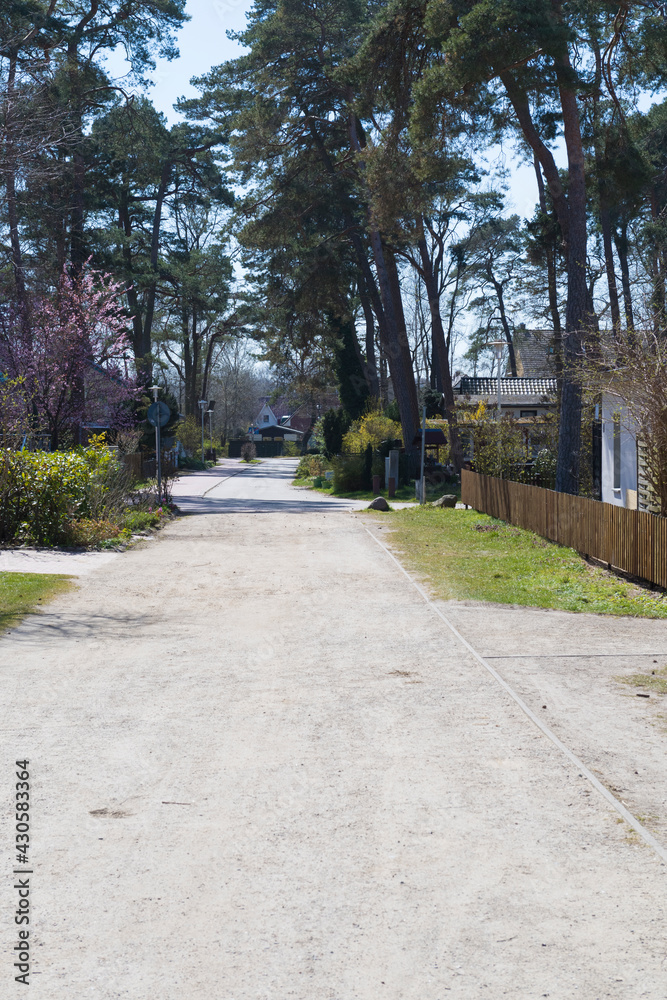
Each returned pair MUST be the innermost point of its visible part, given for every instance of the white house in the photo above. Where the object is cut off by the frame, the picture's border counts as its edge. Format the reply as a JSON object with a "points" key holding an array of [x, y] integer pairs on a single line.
{"points": [[619, 455], [266, 418]]}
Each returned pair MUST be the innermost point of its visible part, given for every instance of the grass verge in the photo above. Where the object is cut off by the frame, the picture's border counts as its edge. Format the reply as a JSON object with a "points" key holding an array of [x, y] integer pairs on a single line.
{"points": [[21, 593], [404, 494], [464, 555], [655, 681]]}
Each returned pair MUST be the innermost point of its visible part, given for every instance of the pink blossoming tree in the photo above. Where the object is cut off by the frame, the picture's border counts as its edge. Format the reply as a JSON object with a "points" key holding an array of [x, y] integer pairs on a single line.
{"points": [[72, 356]]}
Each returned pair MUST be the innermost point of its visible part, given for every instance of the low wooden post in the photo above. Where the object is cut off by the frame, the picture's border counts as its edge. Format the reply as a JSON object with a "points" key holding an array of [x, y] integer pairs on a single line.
{"points": [[392, 487], [376, 485]]}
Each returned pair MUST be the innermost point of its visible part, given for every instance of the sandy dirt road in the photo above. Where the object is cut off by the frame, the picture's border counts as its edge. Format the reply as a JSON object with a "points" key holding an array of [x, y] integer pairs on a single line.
{"points": [[263, 769]]}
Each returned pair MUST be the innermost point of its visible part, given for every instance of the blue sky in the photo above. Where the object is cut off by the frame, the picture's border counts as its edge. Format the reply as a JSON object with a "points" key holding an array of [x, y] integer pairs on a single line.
{"points": [[203, 43]]}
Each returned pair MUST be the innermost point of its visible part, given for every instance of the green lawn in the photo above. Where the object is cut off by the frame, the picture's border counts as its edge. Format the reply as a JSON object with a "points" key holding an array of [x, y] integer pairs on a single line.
{"points": [[403, 493], [21, 593], [464, 555]]}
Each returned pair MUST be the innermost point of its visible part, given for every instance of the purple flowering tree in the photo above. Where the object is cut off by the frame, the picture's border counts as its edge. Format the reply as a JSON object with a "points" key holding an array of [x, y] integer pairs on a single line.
{"points": [[73, 356]]}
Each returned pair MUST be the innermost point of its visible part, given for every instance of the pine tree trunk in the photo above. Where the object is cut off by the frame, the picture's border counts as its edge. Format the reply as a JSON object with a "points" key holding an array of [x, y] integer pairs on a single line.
{"points": [[569, 439], [10, 187], [657, 274], [552, 285], [397, 347], [605, 225], [503, 319], [370, 366], [396, 340], [144, 361], [440, 354], [621, 241], [125, 224]]}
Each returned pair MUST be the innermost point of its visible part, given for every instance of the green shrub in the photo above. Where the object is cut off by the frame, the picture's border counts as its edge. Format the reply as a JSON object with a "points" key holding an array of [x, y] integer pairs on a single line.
{"points": [[189, 434], [350, 474], [331, 428], [544, 469], [87, 532], [140, 520], [194, 464], [41, 493], [311, 465]]}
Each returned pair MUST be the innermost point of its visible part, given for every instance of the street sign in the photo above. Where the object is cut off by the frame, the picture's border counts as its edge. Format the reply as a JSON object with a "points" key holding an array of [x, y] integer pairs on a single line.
{"points": [[158, 414]]}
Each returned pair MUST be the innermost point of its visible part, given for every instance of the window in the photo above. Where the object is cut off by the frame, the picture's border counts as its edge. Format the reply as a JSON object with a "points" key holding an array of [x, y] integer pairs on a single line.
{"points": [[617, 451], [266, 418], [527, 413]]}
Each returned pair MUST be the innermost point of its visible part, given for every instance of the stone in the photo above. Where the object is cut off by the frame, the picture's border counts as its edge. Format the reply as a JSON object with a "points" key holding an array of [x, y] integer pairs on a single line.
{"points": [[448, 500], [378, 504]]}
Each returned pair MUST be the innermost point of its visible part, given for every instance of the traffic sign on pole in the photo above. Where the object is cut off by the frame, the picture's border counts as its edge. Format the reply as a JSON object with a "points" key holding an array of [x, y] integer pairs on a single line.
{"points": [[158, 414]]}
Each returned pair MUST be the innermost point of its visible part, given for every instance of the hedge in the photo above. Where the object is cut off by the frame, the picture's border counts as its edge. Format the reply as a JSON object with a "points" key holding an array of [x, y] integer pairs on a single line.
{"points": [[42, 492]]}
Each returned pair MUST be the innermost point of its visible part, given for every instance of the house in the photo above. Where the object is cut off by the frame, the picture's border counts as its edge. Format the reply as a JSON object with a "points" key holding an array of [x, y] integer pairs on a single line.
{"points": [[619, 466], [529, 397], [623, 468], [268, 418], [519, 397], [617, 461], [535, 353], [532, 393], [528, 400], [299, 421]]}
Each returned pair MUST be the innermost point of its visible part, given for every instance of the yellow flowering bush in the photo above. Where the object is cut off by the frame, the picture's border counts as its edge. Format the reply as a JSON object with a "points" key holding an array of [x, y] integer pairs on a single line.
{"points": [[373, 428]]}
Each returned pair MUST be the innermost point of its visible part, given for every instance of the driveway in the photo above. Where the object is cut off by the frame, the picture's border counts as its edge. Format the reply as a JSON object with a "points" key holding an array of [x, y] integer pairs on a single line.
{"points": [[264, 768]]}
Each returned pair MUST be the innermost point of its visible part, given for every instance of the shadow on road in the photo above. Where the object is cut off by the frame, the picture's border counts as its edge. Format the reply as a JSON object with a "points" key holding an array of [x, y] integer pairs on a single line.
{"points": [[251, 488], [50, 625], [239, 505]]}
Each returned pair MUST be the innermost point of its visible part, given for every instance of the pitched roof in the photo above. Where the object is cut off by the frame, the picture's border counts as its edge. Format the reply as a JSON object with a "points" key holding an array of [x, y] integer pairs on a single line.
{"points": [[286, 409], [479, 386], [534, 352]]}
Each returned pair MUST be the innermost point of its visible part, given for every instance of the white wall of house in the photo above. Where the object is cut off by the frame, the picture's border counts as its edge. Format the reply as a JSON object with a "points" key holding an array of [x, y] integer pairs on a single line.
{"points": [[266, 417], [619, 456]]}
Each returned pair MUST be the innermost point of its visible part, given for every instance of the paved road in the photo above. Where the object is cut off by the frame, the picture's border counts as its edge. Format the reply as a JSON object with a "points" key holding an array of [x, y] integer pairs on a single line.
{"points": [[232, 487], [263, 769]]}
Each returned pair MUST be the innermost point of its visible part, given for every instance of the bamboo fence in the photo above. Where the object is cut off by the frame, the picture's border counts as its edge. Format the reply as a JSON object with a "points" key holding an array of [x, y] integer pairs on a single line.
{"points": [[634, 541]]}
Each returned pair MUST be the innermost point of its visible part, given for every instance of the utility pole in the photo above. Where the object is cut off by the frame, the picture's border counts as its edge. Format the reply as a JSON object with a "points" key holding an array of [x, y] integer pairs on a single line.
{"points": [[422, 478], [203, 405], [211, 407], [158, 446]]}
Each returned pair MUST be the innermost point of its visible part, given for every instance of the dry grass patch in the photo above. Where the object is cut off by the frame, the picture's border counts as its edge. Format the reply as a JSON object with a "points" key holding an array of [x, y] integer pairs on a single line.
{"points": [[655, 681]]}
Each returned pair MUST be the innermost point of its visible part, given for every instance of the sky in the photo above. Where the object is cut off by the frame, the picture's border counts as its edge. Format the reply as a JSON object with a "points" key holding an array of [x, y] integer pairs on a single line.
{"points": [[203, 43]]}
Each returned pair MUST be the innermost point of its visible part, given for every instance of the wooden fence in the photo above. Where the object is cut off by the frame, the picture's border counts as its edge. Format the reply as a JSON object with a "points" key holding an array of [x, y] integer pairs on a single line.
{"points": [[630, 540], [142, 465], [133, 463]]}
